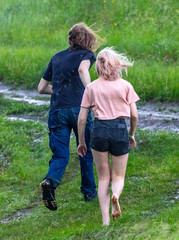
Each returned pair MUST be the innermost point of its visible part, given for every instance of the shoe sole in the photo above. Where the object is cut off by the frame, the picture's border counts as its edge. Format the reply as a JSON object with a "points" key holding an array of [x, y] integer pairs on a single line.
{"points": [[116, 210], [48, 201]]}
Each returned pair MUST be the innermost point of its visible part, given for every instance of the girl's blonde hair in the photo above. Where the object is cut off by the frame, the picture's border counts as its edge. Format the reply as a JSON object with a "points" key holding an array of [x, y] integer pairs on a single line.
{"points": [[110, 63]]}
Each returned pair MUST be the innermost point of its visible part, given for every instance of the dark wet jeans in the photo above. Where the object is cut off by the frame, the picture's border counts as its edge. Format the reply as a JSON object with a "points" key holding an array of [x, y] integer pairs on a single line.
{"points": [[60, 124]]}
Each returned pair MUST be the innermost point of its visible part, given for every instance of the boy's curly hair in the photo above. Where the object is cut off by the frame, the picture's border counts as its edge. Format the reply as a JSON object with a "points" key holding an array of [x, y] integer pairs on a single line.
{"points": [[82, 36]]}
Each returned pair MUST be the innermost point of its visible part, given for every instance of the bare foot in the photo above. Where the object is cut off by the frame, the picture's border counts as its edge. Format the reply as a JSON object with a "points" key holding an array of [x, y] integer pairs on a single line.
{"points": [[116, 210]]}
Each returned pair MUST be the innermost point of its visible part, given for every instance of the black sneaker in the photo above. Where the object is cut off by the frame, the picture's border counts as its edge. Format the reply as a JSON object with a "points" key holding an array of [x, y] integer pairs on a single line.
{"points": [[48, 195], [90, 198]]}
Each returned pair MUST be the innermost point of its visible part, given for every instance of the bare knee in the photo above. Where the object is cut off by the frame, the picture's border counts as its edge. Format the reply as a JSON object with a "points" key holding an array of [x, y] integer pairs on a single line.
{"points": [[105, 179], [117, 178]]}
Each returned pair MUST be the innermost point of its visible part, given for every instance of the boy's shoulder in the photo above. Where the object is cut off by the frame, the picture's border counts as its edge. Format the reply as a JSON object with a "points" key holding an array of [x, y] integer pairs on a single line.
{"points": [[77, 52], [60, 53]]}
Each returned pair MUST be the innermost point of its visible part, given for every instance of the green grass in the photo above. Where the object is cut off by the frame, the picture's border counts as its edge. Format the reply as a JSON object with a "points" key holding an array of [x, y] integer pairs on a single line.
{"points": [[9, 107], [149, 207], [33, 31]]}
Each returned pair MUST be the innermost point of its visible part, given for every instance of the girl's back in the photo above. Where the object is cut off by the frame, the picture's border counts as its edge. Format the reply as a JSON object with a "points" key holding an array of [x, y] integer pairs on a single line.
{"points": [[110, 99]]}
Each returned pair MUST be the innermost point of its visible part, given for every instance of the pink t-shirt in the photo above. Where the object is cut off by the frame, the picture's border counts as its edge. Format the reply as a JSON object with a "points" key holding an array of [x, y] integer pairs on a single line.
{"points": [[109, 99]]}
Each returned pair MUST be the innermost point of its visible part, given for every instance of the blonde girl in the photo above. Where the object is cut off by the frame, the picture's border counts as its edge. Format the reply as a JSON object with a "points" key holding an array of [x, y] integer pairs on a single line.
{"points": [[112, 100]]}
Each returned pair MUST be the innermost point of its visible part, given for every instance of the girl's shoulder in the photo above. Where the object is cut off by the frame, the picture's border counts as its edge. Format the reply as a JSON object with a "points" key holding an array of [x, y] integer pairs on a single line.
{"points": [[93, 83], [125, 82]]}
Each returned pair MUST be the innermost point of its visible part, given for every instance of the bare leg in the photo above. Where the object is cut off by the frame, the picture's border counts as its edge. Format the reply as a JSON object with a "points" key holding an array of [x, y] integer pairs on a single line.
{"points": [[103, 169], [119, 164]]}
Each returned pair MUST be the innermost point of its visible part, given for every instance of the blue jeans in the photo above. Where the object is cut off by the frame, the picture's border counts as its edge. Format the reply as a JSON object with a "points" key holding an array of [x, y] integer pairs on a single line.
{"points": [[60, 124]]}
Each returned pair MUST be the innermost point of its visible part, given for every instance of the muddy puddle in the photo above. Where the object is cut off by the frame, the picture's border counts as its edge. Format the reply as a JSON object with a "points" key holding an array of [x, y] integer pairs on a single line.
{"points": [[31, 97], [17, 216], [25, 118], [152, 115], [159, 116]]}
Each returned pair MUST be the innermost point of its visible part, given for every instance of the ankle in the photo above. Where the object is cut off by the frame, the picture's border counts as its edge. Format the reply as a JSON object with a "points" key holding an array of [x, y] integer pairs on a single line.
{"points": [[106, 223], [114, 196], [106, 220]]}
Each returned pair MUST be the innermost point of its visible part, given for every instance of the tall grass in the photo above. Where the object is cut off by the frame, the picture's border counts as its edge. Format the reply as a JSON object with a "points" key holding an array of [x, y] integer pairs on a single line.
{"points": [[32, 31]]}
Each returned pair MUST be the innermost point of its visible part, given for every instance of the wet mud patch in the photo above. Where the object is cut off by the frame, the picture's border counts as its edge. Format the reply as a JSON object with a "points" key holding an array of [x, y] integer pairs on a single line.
{"points": [[153, 116], [27, 117], [150, 117], [174, 197], [136, 179], [4, 162], [29, 96], [17, 216]]}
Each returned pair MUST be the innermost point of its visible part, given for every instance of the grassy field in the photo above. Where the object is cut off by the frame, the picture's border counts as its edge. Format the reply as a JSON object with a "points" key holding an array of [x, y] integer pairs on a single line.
{"points": [[149, 200], [33, 31]]}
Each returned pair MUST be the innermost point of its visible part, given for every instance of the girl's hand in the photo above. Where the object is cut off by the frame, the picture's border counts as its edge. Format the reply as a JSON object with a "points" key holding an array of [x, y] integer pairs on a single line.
{"points": [[82, 149], [132, 142]]}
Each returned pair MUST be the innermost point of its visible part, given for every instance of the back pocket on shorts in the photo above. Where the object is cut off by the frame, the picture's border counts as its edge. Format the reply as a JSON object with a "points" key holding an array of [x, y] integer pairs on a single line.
{"points": [[98, 132], [121, 134]]}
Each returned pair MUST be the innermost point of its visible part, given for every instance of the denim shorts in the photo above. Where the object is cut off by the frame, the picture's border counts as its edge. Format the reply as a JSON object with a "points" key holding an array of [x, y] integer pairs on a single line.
{"points": [[110, 135]]}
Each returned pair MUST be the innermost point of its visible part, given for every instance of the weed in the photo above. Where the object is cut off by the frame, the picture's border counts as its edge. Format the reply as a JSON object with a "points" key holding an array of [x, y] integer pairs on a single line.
{"points": [[173, 110]]}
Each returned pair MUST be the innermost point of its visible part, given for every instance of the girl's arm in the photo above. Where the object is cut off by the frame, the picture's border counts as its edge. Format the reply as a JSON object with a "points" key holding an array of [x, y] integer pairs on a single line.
{"points": [[82, 149], [84, 72], [133, 124], [44, 87]]}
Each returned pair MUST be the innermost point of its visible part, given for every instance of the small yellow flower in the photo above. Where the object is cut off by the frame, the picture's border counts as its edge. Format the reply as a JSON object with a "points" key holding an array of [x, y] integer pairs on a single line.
{"points": [[112, 1], [104, 1], [115, 24], [148, 18], [177, 10]]}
